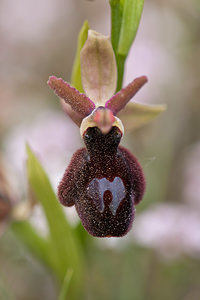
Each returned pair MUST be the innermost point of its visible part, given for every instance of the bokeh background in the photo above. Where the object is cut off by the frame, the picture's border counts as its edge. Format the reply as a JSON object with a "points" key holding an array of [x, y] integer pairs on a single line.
{"points": [[160, 257]]}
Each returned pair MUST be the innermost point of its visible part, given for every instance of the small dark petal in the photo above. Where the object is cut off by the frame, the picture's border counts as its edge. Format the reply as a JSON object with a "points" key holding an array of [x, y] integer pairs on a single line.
{"points": [[76, 118], [119, 100], [80, 103], [104, 182]]}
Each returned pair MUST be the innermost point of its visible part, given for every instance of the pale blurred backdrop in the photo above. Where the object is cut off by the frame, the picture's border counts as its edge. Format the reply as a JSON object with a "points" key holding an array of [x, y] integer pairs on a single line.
{"points": [[160, 257]]}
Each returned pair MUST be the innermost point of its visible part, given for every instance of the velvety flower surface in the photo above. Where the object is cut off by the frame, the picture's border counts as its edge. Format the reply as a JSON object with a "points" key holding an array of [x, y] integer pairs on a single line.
{"points": [[104, 181]]}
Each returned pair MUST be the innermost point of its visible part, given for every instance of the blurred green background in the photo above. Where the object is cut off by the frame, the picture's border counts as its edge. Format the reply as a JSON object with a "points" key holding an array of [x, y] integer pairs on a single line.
{"points": [[160, 257]]}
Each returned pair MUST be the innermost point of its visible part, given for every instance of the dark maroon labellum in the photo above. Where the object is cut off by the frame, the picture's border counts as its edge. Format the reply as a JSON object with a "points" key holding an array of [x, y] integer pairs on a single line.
{"points": [[104, 182]]}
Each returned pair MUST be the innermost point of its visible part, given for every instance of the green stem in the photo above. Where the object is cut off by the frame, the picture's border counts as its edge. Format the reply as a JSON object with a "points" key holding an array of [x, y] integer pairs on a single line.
{"points": [[120, 67]]}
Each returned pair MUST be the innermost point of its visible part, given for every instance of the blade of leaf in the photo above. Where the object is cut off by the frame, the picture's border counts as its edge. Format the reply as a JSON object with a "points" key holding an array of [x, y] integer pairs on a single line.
{"points": [[33, 241], [65, 285], [137, 115], [65, 244], [132, 11], [6, 292], [116, 21], [76, 70]]}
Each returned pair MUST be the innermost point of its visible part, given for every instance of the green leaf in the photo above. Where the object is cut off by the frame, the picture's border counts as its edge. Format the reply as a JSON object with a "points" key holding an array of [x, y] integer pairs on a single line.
{"points": [[116, 20], [76, 70], [6, 292], [137, 115], [38, 245], [125, 18], [65, 245], [65, 285], [132, 11]]}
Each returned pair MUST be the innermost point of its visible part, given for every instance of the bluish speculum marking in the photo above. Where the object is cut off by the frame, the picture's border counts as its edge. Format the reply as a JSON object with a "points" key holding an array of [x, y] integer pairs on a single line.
{"points": [[97, 188]]}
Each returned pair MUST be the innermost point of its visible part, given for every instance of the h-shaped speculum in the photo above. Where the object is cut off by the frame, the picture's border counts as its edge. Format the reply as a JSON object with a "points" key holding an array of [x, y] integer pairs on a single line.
{"points": [[97, 188]]}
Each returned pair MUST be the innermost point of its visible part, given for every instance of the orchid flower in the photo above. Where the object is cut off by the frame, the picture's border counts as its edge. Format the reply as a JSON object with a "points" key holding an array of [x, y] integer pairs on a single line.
{"points": [[104, 180]]}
